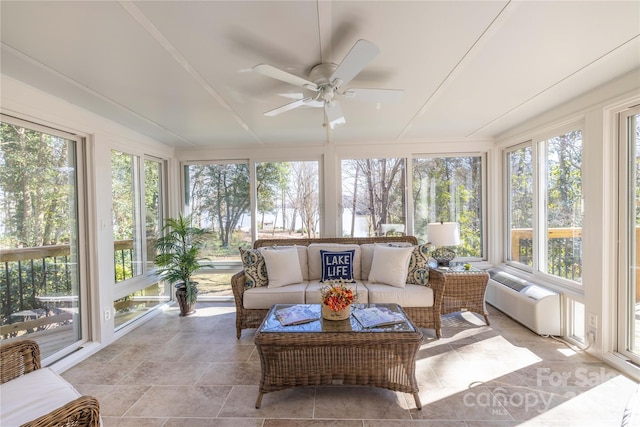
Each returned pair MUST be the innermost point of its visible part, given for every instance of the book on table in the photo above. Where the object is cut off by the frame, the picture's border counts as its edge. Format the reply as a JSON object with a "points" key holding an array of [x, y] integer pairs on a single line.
{"points": [[296, 314], [371, 317]]}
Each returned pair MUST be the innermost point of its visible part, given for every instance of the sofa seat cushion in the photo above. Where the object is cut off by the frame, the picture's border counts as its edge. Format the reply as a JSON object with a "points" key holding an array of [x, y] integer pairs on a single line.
{"points": [[409, 296], [315, 260], [265, 297], [33, 395], [312, 293]]}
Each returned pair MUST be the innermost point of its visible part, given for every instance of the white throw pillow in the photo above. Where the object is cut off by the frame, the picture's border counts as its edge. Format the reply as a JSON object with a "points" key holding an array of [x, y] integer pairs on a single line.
{"points": [[389, 265], [283, 267]]}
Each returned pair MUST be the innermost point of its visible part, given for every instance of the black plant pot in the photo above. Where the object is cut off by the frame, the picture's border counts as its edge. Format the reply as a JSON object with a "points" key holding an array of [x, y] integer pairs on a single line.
{"points": [[181, 296]]}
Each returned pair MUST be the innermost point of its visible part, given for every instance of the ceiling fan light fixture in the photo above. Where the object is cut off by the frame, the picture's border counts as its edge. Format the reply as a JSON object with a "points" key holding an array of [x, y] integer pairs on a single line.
{"points": [[326, 79], [337, 122]]}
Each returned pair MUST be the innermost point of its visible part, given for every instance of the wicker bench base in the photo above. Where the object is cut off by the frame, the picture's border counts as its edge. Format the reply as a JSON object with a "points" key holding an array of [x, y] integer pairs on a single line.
{"points": [[375, 359]]}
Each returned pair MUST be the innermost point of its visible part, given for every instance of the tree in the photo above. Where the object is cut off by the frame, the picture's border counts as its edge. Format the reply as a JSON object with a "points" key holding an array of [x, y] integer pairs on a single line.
{"points": [[380, 192], [37, 187], [450, 189], [303, 196]]}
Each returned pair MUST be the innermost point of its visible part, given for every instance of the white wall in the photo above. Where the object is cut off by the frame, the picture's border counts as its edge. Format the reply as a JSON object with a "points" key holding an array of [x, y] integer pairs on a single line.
{"points": [[28, 103]]}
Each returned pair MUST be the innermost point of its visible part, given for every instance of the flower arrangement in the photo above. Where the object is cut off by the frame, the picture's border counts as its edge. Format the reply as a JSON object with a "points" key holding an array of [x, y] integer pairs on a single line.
{"points": [[336, 296]]}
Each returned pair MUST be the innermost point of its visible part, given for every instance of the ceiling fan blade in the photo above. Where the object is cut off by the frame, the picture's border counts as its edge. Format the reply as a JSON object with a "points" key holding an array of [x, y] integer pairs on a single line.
{"points": [[358, 57], [287, 107], [374, 95], [334, 114], [278, 74]]}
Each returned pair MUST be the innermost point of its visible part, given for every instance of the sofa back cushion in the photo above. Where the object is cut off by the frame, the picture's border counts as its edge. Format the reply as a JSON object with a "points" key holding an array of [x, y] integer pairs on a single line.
{"points": [[302, 257], [283, 267], [315, 260], [255, 270], [419, 265], [418, 270], [390, 265]]}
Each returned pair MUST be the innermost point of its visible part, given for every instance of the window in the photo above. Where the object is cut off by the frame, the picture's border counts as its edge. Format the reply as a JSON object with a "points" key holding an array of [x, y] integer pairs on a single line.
{"points": [[561, 242], [125, 182], [138, 215], [544, 221], [218, 196], [450, 189], [629, 330], [154, 217], [519, 167], [373, 197], [288, 199], [42, 279]]}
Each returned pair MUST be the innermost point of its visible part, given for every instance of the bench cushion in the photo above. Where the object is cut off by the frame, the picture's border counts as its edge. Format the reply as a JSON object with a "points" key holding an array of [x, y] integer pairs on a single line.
{"points": [[33, 395], [409, 296], [312, 293], [264, 297]]}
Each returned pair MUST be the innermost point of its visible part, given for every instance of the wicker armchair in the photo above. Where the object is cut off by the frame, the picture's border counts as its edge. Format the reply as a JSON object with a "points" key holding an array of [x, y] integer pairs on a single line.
{"points": [[19, 358], [423, 317]]}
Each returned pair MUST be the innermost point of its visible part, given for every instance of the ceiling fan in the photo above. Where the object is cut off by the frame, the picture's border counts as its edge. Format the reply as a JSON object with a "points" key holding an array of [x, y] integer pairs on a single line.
{"points": [[327, 81]]}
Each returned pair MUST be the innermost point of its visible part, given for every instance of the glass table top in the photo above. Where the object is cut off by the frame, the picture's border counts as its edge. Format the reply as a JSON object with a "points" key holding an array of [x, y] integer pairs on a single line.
{"points": [[272, 323]]}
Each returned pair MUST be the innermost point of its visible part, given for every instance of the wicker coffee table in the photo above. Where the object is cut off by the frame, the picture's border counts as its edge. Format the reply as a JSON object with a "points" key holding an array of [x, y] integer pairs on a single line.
{"points": [[325, 352]]}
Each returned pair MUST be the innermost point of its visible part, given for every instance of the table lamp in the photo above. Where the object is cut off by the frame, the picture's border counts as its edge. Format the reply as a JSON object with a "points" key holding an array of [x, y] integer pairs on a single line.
{"points": [[442, 234]]}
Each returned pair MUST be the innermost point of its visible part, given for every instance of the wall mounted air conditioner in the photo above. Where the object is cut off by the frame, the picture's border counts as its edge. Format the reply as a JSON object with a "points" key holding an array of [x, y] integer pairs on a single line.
{"points": [[530, 304]]}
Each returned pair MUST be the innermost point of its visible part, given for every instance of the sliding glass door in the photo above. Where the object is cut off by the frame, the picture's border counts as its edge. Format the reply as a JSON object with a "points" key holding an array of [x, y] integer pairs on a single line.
{"points": [[41, 282]]}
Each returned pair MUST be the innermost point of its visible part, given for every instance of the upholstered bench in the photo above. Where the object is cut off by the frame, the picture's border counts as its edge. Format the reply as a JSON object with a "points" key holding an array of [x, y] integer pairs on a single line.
{"points": [[34, 396]]}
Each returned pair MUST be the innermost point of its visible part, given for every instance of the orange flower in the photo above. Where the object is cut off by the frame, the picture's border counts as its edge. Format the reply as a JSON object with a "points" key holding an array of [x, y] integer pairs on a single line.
{"points": [[337, 296]]}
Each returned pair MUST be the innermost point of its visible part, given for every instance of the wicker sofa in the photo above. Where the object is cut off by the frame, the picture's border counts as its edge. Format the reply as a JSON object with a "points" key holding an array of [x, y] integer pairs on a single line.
{"points": [[37, 397], [421, 302]]}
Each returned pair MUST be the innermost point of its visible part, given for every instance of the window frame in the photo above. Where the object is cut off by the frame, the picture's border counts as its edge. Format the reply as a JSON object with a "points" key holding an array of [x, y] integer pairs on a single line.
{"points": [[85, 289], [483, 196], [539, 200], [507, 205], [340, 205], [146, 277]]}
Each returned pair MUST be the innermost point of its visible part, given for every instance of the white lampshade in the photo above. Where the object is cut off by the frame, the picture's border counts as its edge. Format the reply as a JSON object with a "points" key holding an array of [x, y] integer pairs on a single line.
{"points": [[443, 233]]}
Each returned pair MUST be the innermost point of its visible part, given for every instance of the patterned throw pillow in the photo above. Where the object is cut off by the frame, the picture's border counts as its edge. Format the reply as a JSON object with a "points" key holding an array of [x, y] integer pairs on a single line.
{"points": [[337, 265], [418, 273], [255, 269]]}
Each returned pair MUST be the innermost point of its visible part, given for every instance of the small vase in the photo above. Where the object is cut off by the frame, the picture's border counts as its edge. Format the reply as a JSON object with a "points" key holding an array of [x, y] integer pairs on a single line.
{"points": [[329, 314]]}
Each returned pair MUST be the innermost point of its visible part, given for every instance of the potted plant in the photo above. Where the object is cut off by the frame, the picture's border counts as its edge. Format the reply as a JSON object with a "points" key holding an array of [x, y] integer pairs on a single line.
{"points": [[178, 253]]}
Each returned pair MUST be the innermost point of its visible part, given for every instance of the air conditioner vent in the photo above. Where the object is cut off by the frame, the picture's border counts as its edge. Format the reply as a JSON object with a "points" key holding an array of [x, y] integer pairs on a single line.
{"points": [[533, 305], [508, 280]]}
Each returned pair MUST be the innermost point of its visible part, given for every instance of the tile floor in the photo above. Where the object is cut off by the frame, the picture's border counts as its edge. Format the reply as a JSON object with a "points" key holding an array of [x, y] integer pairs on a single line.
{"points": [[174, 371]]}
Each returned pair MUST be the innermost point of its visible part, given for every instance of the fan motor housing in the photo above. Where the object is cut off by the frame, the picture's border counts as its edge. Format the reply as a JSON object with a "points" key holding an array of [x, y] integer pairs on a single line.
{"points": [[321, 73]]}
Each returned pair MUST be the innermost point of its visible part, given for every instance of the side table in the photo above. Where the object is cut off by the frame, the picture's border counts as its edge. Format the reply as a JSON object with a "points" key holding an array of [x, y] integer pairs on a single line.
{"points": [[463, 290]]}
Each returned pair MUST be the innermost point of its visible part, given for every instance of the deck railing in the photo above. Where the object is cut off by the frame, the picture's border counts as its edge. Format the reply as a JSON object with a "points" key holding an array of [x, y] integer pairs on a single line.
{"points": [[564, 254], [30, 277]]}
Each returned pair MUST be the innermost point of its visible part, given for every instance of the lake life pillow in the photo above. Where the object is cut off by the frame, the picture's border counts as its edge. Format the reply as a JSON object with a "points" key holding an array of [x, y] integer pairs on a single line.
{"points": [[390, 265], [283, 267], [337, 265], [255, 270]]}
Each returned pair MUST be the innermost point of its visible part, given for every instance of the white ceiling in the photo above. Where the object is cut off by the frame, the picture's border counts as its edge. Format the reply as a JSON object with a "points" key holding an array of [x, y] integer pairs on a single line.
{"points": [[180, 71]]}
